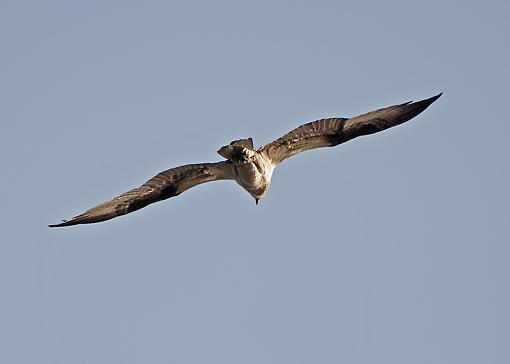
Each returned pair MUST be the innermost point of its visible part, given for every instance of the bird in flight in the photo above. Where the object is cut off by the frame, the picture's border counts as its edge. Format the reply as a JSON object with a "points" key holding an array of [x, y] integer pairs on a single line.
{"points": [[249, 167]]}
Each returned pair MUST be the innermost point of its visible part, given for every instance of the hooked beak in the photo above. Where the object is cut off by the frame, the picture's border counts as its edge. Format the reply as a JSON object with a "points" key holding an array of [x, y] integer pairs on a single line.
{"points": [[256, 201]]}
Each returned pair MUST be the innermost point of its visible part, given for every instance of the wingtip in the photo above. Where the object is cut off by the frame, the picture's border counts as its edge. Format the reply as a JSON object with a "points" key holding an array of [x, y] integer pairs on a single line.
{"points": [[434, 98], [62, 224], [74, 221], [86, 218], [426, 102], [430, 100]]}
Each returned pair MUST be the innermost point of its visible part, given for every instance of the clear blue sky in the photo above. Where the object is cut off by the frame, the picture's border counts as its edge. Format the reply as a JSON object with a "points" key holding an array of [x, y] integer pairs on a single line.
{"points": [[392, 248]]}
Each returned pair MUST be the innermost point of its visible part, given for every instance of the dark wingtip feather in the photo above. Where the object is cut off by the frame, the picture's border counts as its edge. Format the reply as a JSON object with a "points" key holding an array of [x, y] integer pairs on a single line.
{"points": [[63, 223], [410, 110], [80, 219], [430, 100], [434, 98]]}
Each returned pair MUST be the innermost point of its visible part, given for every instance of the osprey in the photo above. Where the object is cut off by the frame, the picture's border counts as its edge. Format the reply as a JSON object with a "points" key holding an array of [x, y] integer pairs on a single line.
{"points": [[251, 168]]}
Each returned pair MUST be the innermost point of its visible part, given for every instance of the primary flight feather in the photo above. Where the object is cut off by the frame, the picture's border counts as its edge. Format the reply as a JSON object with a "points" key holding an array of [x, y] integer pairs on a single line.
{"points": [[251, 168]]}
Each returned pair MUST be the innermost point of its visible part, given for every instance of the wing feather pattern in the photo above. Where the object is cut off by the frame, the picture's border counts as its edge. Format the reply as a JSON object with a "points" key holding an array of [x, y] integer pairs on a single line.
{"points": [[169, 183], [317, 134], [334, 131]]}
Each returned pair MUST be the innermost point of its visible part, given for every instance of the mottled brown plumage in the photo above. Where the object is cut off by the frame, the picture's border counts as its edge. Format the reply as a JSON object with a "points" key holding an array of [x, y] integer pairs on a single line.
{"points": [[250, 168], [169, 183]]}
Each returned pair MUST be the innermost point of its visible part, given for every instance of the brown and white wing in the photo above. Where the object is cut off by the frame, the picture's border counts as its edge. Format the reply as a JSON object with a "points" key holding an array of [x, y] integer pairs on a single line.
{"points": [[334, 131], [169, 183], [317, 134]]}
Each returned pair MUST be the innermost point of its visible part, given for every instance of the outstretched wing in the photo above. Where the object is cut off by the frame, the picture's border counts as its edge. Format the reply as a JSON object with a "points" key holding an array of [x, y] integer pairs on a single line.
{"points": [[334, 131], [317, 134], [164, 185]]}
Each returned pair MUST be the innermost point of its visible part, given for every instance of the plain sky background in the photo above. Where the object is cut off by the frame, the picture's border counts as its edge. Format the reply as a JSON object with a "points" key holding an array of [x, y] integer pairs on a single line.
{"points": [[392, 248]]}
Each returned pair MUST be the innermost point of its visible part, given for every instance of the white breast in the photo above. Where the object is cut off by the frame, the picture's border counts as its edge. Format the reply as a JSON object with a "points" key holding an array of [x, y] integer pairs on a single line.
{"points": [[255, 174]]}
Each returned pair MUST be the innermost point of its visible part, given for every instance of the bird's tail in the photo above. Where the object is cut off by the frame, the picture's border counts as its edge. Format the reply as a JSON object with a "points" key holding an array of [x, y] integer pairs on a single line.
{"points": [[238, 150]]}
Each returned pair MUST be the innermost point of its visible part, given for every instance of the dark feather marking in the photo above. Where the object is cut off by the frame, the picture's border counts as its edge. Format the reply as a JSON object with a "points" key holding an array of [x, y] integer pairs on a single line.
{"points": [[168, 191], [367, 129]]}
